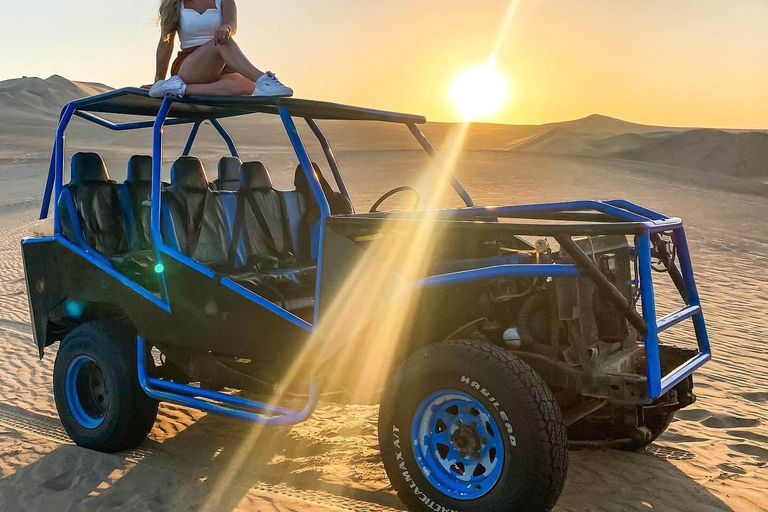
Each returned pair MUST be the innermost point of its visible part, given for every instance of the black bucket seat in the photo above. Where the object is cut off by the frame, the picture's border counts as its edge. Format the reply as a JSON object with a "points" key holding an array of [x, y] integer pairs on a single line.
{"points": [[138, 188], [198, 216], [229, 174], [92, 216]]}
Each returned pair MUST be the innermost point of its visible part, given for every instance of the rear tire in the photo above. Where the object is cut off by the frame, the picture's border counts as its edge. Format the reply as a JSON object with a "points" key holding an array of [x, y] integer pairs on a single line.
{"points": [[613, 426], [96, 388], [454, 408]]}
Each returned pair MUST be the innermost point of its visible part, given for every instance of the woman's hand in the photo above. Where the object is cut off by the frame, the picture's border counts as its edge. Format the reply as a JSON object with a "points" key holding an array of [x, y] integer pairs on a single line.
{"points": [[223, 35]]}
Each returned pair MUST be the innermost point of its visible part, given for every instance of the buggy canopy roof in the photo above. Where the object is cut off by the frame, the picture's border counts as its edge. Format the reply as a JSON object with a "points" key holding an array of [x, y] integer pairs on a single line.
{"points": [[134, 101]]}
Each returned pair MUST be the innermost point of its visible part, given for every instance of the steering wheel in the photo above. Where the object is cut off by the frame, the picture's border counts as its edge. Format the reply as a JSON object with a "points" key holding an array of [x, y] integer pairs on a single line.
{"points": [[408, 188]]}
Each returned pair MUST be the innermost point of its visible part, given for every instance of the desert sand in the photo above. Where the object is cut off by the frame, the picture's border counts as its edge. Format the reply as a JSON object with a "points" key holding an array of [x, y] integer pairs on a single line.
{"points": [[714, 457]]}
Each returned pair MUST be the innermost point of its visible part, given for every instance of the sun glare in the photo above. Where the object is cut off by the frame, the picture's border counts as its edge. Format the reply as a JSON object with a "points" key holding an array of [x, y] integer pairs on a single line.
{"points": [[479, 92]]}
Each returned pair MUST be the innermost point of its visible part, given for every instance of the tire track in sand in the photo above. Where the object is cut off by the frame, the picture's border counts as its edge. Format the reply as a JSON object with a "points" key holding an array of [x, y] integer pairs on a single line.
{"points": [[49, 428]]}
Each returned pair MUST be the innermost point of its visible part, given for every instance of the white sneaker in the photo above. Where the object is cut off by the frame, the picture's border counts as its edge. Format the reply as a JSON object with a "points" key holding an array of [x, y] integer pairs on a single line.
{"points": [[174, 87], [269, 85]]}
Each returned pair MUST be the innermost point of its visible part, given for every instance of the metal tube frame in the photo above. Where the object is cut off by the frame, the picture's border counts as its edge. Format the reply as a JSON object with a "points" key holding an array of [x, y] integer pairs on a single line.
{"points": [[632, 219], [228, 405], [191, 138], [331, 158], [435, 156]]}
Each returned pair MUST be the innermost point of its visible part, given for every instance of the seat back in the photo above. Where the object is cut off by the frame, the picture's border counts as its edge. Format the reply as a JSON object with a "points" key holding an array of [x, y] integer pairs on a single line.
{"points": [[264, 224], [304, 219], [138, 191], [299, 230], [229, 174], [90, 208], [337, 202], [197, 214]]}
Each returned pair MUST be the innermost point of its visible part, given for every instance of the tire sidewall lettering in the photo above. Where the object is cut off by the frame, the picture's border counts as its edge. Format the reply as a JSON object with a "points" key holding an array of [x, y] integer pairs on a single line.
{"points": [[429, 502], [507, 426]]}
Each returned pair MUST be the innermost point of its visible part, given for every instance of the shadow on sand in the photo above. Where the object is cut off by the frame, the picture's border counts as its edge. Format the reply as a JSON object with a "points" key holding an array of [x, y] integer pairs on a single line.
{"points": [[191, 472]]}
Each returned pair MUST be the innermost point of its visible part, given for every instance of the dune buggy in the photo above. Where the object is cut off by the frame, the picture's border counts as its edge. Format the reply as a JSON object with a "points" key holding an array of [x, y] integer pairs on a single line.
{"points": [[489, 335]]}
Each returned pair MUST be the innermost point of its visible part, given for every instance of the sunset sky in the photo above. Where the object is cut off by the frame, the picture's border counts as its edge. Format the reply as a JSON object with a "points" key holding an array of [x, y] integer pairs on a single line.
{"points": [[670, 62]]}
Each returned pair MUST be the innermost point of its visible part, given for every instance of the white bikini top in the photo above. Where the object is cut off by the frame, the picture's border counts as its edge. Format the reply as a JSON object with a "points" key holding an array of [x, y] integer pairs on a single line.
{"points": [[195, 28]]}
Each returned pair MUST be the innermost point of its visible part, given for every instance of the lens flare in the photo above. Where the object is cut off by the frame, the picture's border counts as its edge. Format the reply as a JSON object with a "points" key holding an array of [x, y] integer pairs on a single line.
{"points": [[479, 92], [376, 304]]}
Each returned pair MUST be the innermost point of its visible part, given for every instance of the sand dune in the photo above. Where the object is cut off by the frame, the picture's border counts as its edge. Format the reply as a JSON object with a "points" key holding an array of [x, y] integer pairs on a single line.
{"points": [[29, 108], [47, 96], [741, 155], [713, 458]]}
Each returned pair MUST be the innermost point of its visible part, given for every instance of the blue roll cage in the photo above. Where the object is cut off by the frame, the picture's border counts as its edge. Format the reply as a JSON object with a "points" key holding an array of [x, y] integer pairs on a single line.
{"points": [[633, 216]]}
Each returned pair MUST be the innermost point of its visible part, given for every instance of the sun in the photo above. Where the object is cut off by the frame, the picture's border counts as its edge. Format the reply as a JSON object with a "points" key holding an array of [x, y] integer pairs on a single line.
{"points": [[479, 91]]}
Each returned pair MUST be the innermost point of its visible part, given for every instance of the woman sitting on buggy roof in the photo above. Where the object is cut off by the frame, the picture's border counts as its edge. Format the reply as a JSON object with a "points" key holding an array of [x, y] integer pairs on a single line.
{"points": [[209, 62]]}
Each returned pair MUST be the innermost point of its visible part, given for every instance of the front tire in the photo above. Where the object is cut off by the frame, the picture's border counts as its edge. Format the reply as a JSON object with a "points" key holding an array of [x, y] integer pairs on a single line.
{"points": [[96, 388], [467, 426]]}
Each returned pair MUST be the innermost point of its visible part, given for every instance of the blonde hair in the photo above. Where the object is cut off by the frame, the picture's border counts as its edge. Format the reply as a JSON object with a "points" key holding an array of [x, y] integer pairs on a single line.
{"points": [[170, 13]]}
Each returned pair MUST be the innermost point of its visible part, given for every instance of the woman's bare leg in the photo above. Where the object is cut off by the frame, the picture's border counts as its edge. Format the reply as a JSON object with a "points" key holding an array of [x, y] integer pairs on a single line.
{"points": [[205, 64], [231, 84]]}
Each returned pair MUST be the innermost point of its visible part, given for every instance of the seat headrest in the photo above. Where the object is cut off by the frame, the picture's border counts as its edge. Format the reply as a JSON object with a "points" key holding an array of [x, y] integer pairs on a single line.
{"points": [[300, 179], [88, 167], [255, 176], [229, 168], [139, 169], [188, 173]]}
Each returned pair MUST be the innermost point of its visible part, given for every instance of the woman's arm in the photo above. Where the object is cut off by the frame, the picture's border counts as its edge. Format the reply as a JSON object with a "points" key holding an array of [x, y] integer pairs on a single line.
{"points": [[164, 54], [228, 26]]}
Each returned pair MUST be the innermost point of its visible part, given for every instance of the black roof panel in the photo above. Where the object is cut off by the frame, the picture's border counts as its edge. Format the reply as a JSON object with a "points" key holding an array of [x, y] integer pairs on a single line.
{"points": [[135, 101]]}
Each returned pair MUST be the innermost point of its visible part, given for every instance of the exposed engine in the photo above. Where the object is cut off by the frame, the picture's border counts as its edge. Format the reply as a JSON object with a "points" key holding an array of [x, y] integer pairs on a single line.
{"points": [[566, 317]]}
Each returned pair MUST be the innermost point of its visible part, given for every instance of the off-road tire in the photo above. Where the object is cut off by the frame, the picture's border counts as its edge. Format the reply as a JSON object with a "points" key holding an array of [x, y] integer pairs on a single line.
{"points": [[535, 449], [130, 413]]}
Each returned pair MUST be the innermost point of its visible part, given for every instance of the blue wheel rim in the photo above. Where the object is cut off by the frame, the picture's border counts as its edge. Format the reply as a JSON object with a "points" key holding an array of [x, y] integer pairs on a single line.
{"points": [[457, 444], [86, 392]]}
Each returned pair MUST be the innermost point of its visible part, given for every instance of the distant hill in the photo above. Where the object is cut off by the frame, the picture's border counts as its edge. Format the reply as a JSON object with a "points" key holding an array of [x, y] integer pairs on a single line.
{"points": [[30, 106], [737, 154], [35, 95]]}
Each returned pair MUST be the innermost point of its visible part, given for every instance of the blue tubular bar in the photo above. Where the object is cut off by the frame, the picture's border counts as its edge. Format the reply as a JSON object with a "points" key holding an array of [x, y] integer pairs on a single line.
{"points": [[126, 126], [107, 267], [677, 317], [692, 311], [157, 172], [569, 206], [229, 405], [683, 371], [66, 116], [155, 206], [306, 163], [653, 365], [331, 158], [227, 138], [658, 384], [686, 268], [45, 206], [232, 285], [317, 191], [186, 260], [635, 208], [512, 270], [665, 225], [433, 154], [191, 138]]}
